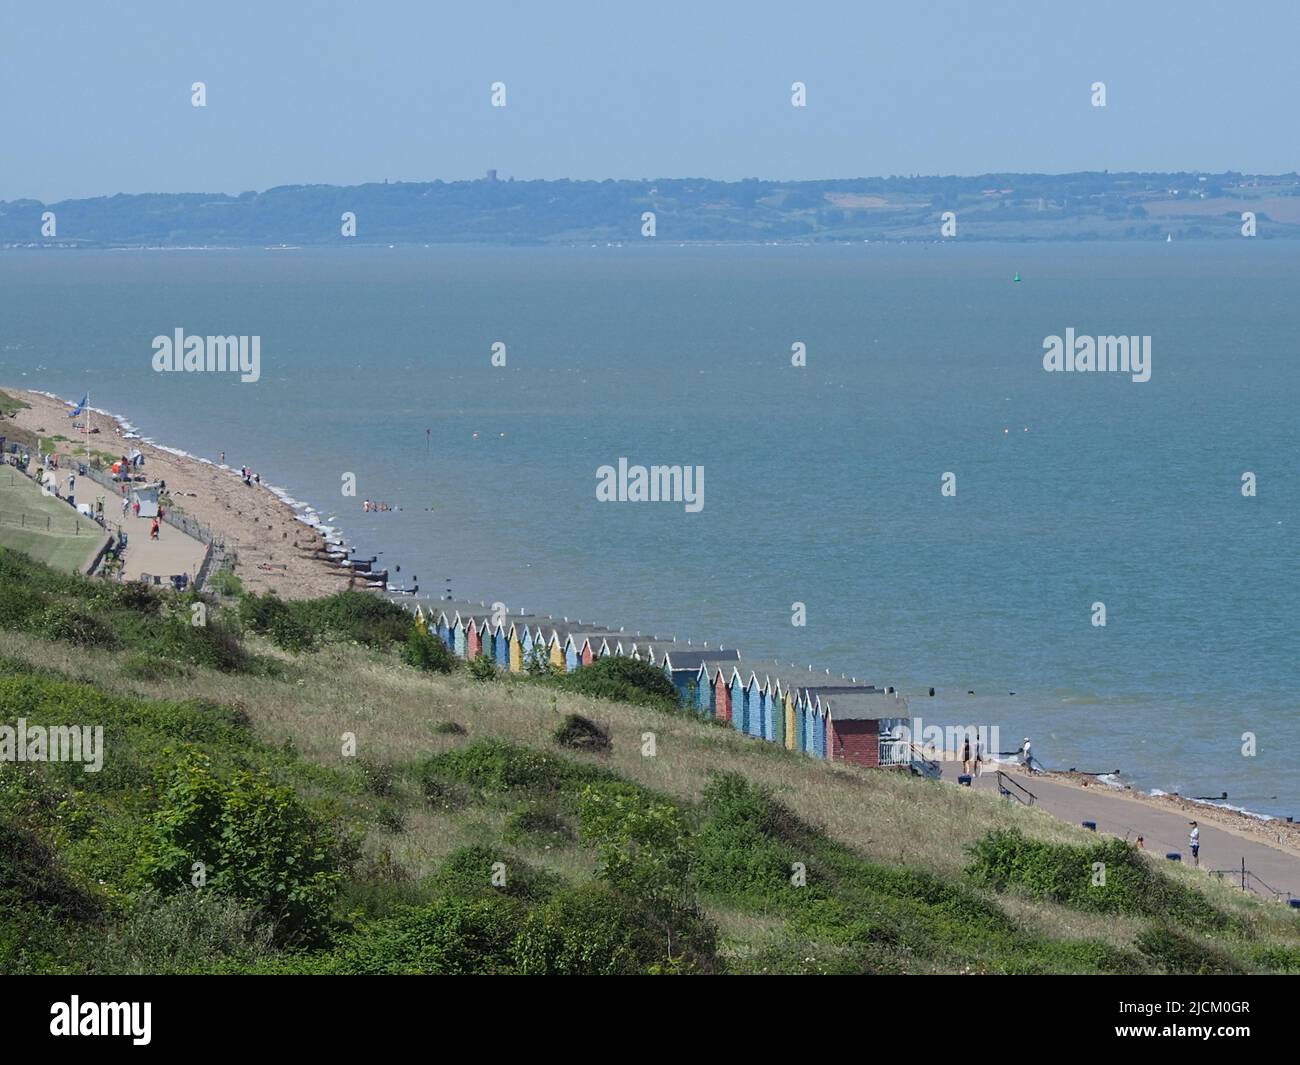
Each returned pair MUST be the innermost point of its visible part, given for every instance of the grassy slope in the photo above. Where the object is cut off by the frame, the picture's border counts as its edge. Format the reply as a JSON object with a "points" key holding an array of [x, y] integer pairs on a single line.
{"points": [[71, 539], [886, 854], [11, 405]]}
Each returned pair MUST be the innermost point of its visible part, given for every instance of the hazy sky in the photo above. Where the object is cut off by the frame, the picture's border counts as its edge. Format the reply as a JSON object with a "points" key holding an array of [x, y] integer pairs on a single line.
{"points": [[95, 96]]}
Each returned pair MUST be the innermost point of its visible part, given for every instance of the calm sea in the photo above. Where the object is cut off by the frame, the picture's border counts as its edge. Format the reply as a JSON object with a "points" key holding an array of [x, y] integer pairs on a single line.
{"points": [[822, 483]]}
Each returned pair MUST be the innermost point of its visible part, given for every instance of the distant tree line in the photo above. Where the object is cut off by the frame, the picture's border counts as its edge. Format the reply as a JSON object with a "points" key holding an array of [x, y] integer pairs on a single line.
{"points": [[996, 206]]}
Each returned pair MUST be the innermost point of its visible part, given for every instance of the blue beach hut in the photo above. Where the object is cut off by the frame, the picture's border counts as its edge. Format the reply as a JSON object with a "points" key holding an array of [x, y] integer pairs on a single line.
{"points": [[754, 706], [739, 702]]}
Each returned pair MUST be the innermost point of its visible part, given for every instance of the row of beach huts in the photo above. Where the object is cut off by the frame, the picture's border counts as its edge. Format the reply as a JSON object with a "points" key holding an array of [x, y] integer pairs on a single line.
{"points": [[816, 714]]}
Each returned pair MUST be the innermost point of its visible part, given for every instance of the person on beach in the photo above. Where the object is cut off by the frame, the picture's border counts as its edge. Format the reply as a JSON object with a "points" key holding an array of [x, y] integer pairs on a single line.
{"points": [[1194, 841], [135, 508], [965, 756], [1140, 844], [153, 530], [126, 503], [1027, 756], [223, 458], [979, 757]]}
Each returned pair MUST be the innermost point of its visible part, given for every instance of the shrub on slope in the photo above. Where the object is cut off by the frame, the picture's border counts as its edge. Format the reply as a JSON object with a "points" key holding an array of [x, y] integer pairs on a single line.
{"points": [[624, 680], [1109, 876]]}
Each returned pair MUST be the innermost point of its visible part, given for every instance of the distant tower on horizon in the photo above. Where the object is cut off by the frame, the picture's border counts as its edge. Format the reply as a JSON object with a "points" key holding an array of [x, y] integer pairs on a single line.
{"points": [[491, 175]]}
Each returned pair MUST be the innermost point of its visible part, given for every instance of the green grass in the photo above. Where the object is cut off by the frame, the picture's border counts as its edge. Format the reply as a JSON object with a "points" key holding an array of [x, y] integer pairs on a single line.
{"points": [[70, 541], [346, 827], [10, 405]]}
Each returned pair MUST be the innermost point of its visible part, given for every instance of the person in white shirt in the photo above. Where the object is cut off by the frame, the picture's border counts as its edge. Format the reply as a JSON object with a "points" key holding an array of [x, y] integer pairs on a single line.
{"points": [[1027, 757], [1194, 841]]}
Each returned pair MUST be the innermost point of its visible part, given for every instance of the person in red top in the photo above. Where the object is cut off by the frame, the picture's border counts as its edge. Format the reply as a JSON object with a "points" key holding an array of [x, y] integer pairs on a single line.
{"points": [[153, 530]]}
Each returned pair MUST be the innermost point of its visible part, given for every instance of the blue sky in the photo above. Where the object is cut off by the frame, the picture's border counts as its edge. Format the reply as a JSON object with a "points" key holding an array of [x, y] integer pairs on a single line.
{"points": [[95, 97]]}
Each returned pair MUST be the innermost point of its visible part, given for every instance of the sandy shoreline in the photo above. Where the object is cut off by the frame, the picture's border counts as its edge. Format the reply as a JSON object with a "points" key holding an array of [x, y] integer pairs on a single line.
{"points": [[276, 550]]}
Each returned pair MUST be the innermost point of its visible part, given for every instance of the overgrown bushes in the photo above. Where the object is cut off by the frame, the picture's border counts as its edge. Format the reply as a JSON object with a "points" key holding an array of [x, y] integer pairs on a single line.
{"points": [[624, 680], [348, 616], [481, 667], [355, 617], [269, 615], [245, 837], [1179, 954], [94, 613], [454, 936], [426, 652], [589, 931], [1108, 877], [579, 734]]}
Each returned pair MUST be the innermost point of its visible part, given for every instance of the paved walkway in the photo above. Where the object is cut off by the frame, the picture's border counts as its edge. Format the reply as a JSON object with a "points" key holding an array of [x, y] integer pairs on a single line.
{"points": [[172, 553], [1163, 831]]}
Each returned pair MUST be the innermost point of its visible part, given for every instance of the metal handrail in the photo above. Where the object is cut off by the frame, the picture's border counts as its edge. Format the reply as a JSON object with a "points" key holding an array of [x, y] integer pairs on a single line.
{"points": [[1246, 877], [1007, 793]]}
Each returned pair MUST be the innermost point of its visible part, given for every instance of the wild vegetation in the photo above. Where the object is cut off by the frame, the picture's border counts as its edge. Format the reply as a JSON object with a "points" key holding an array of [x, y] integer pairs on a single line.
{"points": [[290, 788]]}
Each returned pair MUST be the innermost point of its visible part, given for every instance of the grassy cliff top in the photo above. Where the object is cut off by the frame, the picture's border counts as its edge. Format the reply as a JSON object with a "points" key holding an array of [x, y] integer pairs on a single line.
{"points": [[345, 806]]}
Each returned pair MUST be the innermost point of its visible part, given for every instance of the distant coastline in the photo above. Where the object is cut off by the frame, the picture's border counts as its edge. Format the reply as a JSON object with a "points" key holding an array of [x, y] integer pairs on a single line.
{"points": [[1095, 206]]}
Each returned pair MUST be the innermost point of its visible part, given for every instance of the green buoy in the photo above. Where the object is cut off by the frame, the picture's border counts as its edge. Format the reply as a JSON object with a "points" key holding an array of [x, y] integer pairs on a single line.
{"points": [[1016, 278]]}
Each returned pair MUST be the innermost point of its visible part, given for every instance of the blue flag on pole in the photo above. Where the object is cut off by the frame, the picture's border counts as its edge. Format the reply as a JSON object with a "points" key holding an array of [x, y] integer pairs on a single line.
{"points": [[79, 407]]}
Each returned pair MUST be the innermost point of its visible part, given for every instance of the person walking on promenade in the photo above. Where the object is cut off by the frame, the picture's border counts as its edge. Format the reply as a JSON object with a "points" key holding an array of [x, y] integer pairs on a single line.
{"points": [[1027, 757], [965, 756], [1194, 841], [979, 757], [153, 530]]}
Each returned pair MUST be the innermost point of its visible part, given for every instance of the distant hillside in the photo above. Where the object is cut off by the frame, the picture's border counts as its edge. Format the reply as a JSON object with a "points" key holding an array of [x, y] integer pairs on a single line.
{"points": [[1085, 206]]}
